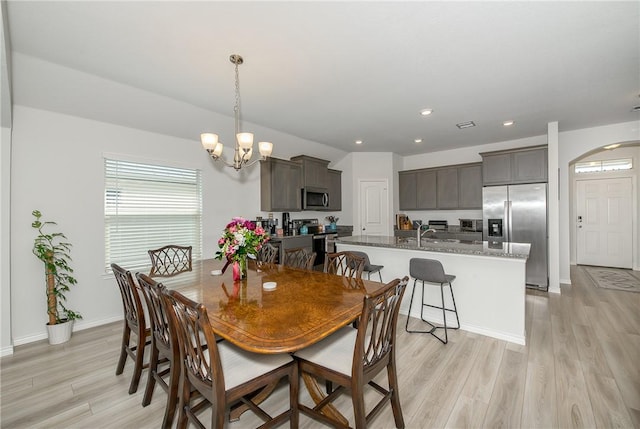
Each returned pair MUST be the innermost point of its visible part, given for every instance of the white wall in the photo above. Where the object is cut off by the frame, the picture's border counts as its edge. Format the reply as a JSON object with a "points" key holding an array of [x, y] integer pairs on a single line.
{"points": [[6, 346], [57, 167]]}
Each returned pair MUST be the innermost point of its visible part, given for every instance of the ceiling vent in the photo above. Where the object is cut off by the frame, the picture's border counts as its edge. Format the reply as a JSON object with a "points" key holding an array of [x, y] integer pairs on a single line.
{"points": [[467, 124]]}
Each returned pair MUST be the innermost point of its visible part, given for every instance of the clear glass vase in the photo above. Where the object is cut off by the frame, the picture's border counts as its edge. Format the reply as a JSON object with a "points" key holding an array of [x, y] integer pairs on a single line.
{"points": [[240, 268]]}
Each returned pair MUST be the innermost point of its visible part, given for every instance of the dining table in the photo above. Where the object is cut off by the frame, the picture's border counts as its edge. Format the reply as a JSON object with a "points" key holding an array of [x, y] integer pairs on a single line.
{"points": [[276, 309]]}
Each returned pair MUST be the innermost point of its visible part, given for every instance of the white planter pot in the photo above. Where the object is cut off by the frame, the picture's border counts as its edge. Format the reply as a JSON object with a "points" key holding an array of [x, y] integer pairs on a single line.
{"points": [[60, 332]]}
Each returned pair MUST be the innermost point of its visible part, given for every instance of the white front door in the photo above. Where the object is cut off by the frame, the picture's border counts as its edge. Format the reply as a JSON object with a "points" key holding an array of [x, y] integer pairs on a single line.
{"points": [[374, 207], [604, 225]]}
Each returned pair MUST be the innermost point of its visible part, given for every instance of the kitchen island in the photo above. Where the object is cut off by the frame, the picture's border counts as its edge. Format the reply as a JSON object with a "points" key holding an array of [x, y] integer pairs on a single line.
{"points": [[490, 279]]}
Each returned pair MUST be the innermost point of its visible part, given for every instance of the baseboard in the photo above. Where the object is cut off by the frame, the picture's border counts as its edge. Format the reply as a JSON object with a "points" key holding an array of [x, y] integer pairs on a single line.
{"points": [[79, 325], [6, 351]]}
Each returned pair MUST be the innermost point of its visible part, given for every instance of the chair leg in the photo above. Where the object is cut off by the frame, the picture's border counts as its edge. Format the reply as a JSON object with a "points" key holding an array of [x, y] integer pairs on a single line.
{"points": [[126, 334], [422, 305], [380, 274], [172, 395], [185, 398], [455, 309], [359, 414], [395, 396], [137, 370], [151, 380], [294, 392]]}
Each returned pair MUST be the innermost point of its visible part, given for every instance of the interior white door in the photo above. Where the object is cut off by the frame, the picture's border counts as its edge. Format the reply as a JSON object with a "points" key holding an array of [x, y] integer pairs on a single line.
{"points": [[604, 222], [374, 207]]}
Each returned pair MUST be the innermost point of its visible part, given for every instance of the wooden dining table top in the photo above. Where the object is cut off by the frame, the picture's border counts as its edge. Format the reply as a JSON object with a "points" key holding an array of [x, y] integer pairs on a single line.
{"points": [[303, 308]]}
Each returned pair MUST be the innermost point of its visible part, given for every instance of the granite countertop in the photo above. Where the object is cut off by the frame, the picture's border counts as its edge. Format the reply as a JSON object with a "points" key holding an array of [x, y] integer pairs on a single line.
{"points": [[462, 247]]}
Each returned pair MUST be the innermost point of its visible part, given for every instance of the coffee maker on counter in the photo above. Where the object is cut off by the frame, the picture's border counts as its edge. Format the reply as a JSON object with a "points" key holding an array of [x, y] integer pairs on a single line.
{"points": [[286, 223]]}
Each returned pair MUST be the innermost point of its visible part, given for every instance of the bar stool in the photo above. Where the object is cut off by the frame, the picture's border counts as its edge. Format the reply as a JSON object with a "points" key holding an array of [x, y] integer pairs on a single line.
{"points": [[431, 271], [369, 268]]}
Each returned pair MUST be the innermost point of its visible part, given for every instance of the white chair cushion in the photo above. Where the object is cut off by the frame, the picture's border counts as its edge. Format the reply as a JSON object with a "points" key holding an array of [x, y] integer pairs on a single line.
{"points": [[240, 366], [334, 352]]}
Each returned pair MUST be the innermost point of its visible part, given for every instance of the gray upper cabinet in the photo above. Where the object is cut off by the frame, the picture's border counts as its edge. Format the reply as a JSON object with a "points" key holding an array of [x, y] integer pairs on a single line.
{"points": [[441, 188], [280, 185], [524, 165], [469, 186], [447, 181], [335, 190], [407, 190], [315, 171]]}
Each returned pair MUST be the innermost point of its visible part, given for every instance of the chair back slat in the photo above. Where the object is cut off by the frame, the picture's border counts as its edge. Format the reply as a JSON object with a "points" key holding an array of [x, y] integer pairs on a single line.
{"points": [[377, 326], [345, 264], [267, 253], [131, 301], [198, 349], [159, 318], [299, 258], [170, 260]]}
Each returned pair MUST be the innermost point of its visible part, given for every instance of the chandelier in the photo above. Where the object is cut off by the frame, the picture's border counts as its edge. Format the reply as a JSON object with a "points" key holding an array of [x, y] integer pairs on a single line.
{"points": [[244, 141]]}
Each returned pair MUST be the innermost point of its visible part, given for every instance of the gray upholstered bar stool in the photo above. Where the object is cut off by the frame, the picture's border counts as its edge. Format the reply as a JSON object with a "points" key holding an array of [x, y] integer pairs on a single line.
{"points": [[369, 268], [431, 271]]}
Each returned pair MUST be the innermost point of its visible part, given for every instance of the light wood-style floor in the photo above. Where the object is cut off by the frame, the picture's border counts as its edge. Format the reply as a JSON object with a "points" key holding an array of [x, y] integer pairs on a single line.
{"points": [[580, 368]]}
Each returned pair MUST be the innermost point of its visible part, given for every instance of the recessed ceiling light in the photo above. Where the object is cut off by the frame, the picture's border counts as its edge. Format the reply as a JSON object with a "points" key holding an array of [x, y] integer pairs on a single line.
{"points": [[358, 141], [612, 146], [467, 124], [508, 123], [426, 112], [417, 140], [636, 108]]}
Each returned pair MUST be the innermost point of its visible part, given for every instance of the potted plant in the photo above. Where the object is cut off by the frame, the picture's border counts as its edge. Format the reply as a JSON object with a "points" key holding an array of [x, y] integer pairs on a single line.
{"points": [[53, 251]]}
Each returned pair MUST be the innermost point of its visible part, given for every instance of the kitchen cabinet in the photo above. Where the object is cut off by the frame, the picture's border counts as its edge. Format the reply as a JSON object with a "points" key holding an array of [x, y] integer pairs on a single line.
{"points": [[292, 242], [280, 185], [469, 186], [524, 165], [441, 188], [315, 172], [335, 190], [408, 190]]}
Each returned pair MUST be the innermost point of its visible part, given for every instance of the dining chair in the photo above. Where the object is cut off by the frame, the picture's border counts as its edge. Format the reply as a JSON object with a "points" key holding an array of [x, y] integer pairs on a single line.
{"points": [[170, 260], [352, 358], [369, 268], [299, 257], [346, 264], [164, 349], [221, 373], [134, 321], [268, 253]]}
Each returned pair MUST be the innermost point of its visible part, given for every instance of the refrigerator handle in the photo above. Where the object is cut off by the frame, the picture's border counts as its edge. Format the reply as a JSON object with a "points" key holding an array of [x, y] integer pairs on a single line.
{"points": [[508, 215]]}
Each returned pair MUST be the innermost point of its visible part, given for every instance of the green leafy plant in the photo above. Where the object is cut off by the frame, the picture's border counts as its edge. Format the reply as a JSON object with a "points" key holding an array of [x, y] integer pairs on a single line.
{"points": [[53, 251]]}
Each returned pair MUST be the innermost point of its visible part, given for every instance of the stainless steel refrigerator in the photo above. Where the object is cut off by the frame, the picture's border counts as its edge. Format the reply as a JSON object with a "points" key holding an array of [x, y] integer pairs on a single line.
{"points": [[518, 214]]}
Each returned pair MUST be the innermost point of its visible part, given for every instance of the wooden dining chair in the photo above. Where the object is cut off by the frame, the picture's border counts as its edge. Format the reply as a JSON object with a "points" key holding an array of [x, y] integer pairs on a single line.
{"points": [[221, 373], [170, 260], [268, 253], [346, 264], [134, 321], [164, 349], [351, 358], [299, 257]]}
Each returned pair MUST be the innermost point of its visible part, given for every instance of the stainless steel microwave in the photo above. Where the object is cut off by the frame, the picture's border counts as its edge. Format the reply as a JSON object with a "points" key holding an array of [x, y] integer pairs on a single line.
{"points": [[471, 225], [315, 199]]}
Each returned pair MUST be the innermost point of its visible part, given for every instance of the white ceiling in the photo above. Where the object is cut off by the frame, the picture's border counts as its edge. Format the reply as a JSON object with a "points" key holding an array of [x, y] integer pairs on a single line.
{"points": [[334, 72]]}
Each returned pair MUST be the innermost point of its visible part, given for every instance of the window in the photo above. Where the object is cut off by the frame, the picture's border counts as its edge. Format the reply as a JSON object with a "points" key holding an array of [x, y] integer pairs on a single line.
{"points": [[606, 165], [147, 207]]}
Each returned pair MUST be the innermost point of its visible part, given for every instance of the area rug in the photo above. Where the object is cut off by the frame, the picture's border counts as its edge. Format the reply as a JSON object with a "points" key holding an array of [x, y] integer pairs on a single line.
{"points": [[614, 278]]}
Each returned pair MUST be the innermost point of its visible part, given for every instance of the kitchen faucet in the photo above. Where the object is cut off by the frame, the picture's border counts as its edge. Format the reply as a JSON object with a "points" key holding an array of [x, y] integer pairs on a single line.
{"points": [[421, 233]]}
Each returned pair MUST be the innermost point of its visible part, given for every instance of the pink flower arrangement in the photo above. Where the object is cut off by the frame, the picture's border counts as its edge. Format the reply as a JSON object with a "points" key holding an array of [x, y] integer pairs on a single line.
{"points": [[239, 239]]}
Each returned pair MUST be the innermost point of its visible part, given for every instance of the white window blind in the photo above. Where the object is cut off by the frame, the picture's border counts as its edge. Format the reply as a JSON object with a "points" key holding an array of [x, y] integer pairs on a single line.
{"points": [[147, 207]]}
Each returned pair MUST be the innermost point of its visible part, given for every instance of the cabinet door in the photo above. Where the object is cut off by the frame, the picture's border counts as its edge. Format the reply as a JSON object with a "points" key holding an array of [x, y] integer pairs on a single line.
{"points": [[315, 174], [427, 189], [530, 166], [496, 169], [280, 185], [470, 187], [407, 190], [335, 190], [447, 183]]}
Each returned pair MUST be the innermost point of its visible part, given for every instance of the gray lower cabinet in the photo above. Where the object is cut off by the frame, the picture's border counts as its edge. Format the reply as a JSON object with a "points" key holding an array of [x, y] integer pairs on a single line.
{"points": [[335, 190], [441, 188], [524, 165], [280, 185], [292, 242]]}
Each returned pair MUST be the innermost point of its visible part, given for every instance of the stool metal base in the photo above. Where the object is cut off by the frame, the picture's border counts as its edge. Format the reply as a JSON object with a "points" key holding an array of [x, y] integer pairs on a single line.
{"points": [[443, 308]]}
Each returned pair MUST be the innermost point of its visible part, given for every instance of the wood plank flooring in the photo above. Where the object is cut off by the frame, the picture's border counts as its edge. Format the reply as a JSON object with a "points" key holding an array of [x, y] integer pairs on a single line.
{"points": [[580, 369]]}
